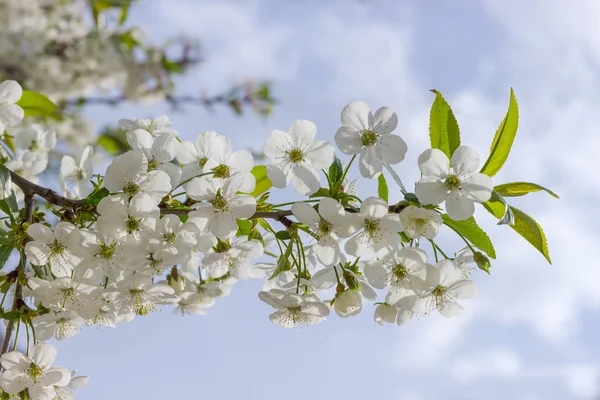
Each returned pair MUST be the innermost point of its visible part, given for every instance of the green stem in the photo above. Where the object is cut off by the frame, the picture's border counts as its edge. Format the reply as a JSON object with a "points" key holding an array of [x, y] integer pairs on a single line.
{"points": [[347, 169], [337, 276], [187, 180], [33, 332], [434, 251], [17, 336], [440, 250], [294, 202], [27, 332]]}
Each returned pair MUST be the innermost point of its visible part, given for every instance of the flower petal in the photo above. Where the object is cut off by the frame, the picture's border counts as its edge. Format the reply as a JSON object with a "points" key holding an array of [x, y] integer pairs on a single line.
{"points": [[458, 206], [430, 191], [356, 115], [478, 188], [434, 164], [465, 162], [348, 140], [305, 180], [303, 133]]}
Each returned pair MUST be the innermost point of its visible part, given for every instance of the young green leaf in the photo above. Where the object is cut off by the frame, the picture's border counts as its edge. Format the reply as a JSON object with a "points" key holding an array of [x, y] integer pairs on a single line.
{"points": [[262, 182], [515, 189], [95, 197], [498, 207], [336, 171], [34, 104], [5, 251], [382, 188], [444, 133], [505, 135], [528, 227], [469, 229]]}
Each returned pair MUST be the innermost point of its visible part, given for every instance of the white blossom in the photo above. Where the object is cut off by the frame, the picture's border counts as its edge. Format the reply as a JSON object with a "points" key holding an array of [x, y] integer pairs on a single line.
{"points": [[455, 181], [297, 157], [370, 136]]}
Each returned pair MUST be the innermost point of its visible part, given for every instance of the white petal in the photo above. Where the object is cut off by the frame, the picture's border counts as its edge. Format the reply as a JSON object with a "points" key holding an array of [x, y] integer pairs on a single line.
{"points": [[41, 233], [327, 250], [465, 162], [393, 149], [305, 180], [68, 166], [373, 208], [377, 274], [320, 154], [348, 140], [43, 354], [187, 153], [10, 92], [202, 188], [478, 188], [242, 206], [140, 139], [451, 309], [434, 164], [242, 160], [14, 360], [277, 144], [430, 191], [331, 210], [279, 176], [458, 206], [356, 115], [303, 133], [463, 290], [165, 147], [306, 214], [370, 163], [385, 120], [11, 114]]}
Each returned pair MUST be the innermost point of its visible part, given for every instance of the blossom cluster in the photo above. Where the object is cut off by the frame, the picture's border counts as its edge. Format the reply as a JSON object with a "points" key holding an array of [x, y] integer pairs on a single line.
{"points": [[178, 223]]}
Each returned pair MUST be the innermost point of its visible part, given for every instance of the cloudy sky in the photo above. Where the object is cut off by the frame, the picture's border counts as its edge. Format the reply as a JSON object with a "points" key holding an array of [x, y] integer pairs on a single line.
{"points": [[531, 332]]}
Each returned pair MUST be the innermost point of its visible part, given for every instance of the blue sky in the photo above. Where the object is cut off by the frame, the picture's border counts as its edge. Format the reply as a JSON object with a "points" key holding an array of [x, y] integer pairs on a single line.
{"points": [[529, 334]]}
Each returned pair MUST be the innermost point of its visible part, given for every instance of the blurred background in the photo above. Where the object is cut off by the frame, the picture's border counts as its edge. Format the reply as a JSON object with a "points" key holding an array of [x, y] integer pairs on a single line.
{"points": [[243, 68]]}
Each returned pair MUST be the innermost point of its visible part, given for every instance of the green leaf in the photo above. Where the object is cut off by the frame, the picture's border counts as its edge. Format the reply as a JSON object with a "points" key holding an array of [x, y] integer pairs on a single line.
{"points": [[498, 207], [5, 251], [244, 227], [35, 104], [11, 315], [322, 192], [382, 188], [336, 171], [95, 197], [444, 133], [262, 182], [505, 135], [515, 189], [124, 12], [469, 229], [113, 143], [528, 227], [128, 40], [283, 235]]}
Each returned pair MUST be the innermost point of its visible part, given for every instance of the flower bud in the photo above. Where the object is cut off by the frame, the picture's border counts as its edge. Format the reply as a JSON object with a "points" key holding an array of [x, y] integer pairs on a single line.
{"points": [[482, 261], [351, 281]]}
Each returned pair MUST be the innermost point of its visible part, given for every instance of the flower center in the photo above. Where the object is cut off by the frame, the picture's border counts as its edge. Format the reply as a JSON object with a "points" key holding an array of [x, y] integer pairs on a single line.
{"points": [[106, 250], [170, 238], [56, 248], [325, 227], [221, 171], [439, 291], [131, 188], [295, 155], [369, 137], [400, 271], [371, 226], [202, 162], [219, 203], [132, 224], [152, 165], [452, 182], [34, 372], [295, 314], [143, 304]]}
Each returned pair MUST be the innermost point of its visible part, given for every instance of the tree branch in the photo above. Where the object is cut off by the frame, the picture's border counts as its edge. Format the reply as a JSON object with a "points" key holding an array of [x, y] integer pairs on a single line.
{"points": [[54, 198]]}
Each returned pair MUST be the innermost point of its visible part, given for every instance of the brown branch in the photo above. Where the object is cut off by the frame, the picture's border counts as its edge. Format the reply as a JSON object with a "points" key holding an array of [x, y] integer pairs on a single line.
{"points": [[54, 198], [48, 194], [18, 298]]}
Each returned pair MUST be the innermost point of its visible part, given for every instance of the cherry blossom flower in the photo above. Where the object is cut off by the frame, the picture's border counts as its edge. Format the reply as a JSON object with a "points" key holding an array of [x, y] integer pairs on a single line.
{"points": [[293, 309], [222, 205], [455, 181], [330, 223], [420, 222], [34, 373], [297, 157], [53, 248], [378, 230], [10, 113], [370, 136], [76, 175]]}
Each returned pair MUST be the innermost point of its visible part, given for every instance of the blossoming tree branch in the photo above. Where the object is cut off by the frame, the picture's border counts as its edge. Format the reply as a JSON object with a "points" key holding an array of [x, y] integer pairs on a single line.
{"points": [[176, 223]]}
